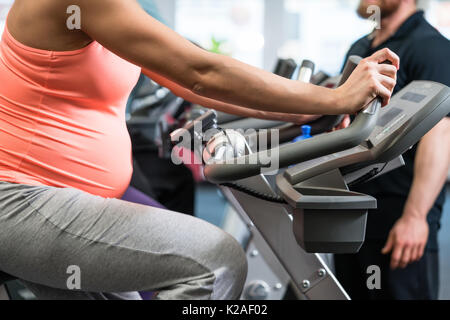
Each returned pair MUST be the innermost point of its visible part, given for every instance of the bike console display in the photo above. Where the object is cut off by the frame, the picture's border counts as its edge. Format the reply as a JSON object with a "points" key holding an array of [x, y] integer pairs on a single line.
{"points": [[327, 216]]}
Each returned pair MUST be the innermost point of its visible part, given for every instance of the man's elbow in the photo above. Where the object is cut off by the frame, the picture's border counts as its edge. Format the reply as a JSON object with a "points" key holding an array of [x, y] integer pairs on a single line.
{"points": [[441, 130], [446, 128], [446, 124], [441, 133], [433, 139]]}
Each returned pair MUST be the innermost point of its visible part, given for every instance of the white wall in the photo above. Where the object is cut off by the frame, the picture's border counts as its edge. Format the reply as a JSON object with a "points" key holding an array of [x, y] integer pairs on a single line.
{"points": [[167, 9], [4, 8]]}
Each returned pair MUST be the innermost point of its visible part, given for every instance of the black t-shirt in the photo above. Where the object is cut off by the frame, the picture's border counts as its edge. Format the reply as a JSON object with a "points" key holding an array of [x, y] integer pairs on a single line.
{"points": [[424, 55]]}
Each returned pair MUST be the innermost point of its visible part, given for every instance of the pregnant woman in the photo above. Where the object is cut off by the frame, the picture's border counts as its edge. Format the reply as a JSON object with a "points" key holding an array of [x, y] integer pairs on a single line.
{"points": [[65, 154]]}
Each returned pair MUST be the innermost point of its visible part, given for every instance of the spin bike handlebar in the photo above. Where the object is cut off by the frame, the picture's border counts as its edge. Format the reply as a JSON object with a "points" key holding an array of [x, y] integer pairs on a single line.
{"points": [[327, 122], [220, 171]]}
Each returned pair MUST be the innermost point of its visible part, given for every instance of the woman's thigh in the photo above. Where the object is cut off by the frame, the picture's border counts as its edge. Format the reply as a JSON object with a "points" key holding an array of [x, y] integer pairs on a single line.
{"points": [[117, 246]]}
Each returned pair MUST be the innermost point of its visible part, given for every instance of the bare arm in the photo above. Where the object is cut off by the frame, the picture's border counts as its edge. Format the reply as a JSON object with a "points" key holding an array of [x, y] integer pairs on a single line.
{"points": [[431, 169], [409, 236], [124, 28], [226, 107]]}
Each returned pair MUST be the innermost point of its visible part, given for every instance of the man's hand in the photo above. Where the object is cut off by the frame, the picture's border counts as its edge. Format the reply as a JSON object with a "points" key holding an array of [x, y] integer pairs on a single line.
{"points": [[407, 241], [409, 236]]}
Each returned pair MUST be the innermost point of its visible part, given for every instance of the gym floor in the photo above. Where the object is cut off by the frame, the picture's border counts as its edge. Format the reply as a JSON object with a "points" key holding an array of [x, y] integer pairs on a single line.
{"points": [[212, 207]]}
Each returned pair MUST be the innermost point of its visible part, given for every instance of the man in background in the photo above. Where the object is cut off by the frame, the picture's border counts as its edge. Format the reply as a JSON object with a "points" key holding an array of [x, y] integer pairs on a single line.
{"points": [[402, 233]]}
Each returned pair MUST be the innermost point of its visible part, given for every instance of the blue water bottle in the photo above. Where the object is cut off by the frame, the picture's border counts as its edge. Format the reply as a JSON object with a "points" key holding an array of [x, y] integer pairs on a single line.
{"points": [[306, 134]]}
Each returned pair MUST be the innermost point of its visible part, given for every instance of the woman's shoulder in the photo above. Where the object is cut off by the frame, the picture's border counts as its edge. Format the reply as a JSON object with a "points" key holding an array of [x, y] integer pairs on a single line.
{"points": [[46, 24]]}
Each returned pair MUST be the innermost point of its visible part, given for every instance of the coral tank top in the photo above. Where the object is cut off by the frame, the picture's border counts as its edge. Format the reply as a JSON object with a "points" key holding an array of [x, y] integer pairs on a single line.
{"points": [[62, 117]]}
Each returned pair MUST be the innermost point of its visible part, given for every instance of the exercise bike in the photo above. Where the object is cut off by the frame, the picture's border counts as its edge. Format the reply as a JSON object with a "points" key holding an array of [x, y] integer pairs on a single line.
{"points": [[266, 278], [308, 208]]}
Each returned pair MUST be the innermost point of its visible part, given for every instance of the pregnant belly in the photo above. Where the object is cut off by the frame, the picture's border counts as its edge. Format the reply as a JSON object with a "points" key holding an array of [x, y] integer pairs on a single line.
{"points": [[97, 161]]}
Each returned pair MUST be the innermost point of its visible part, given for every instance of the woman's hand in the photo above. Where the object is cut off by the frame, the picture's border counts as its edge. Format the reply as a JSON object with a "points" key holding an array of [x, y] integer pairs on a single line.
{"points": [[370, 79]]}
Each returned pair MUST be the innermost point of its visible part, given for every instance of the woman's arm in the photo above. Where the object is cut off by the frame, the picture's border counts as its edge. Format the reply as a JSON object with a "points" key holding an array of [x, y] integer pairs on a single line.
{"points": [[124, 28], [226, 107]]}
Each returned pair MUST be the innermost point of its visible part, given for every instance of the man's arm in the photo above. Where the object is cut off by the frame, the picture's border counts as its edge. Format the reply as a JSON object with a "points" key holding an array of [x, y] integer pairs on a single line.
{"points": [[409, 237]]}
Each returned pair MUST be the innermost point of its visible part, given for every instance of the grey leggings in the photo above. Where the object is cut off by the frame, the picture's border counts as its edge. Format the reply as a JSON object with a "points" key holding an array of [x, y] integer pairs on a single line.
{"points": [[118, 247]]}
